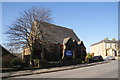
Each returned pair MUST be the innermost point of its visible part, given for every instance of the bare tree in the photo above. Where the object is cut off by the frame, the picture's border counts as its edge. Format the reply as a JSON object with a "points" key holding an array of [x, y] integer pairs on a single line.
{"points": [[21, 32], [12, 47]]}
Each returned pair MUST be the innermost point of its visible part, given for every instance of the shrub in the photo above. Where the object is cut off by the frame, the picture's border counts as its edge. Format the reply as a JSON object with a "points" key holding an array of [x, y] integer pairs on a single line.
{"points": [[88, 58], [16, 62], [89, 55]]}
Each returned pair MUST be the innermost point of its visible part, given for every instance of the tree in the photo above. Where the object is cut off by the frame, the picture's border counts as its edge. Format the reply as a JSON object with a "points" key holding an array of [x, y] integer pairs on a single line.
{"points": [[12, 47], [21, 31]]}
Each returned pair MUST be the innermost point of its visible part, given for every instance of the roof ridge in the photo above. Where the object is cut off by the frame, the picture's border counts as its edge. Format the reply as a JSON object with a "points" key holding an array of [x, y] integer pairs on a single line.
{"points": [[104, 40], [55, 25]]}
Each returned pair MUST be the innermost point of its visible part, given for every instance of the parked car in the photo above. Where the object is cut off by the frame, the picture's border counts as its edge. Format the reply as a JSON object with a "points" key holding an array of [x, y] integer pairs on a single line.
{"points": [[97, 58], [109, 58]]}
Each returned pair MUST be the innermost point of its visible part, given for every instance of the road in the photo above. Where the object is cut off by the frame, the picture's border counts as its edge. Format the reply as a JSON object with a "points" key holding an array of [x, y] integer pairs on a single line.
{"points": [[107, 70]]}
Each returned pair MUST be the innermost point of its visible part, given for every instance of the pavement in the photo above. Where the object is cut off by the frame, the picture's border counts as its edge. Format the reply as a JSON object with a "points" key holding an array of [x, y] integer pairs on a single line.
{"points": [[102, 71], [40, 71]]}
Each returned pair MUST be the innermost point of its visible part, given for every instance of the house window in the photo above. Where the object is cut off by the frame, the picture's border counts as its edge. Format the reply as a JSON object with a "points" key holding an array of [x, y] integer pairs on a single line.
{"points": [[105, 45], [115, 46], [110, 45]]}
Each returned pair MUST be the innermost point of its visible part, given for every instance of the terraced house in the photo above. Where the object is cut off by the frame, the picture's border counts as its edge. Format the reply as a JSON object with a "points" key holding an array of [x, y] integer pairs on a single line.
{"points": [[105, 47]]}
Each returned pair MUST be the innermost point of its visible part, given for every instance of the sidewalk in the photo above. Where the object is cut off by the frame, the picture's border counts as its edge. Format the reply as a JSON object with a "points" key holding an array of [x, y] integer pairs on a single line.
{"points": [[30, 72]]}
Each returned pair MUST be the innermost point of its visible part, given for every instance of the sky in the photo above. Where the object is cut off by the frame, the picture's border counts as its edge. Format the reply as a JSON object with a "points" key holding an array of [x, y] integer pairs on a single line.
{"points": [[91, 21]]}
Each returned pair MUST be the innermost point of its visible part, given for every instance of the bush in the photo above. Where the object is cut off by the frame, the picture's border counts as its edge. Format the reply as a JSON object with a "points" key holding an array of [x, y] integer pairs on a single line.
{"points": [[88, 58], [16, 62], [6, 61], [89, 55]]}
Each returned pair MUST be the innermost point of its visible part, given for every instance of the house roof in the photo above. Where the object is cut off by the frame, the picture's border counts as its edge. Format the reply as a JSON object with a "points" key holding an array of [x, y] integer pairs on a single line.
{"points": [[4, 51], [79, 42], [65, 40], [56, 34], [105, 41]]}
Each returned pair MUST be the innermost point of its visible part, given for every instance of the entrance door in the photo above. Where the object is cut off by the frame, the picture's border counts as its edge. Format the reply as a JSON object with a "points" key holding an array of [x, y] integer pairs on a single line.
{"points": [[115, 53]]}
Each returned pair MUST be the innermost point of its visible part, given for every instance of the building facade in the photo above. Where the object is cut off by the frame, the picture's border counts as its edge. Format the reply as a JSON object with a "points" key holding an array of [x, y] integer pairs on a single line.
{"points": [[54, 42], [105, 47]]}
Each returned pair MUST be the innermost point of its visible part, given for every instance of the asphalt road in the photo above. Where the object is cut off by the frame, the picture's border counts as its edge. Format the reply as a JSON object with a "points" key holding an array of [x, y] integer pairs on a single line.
{"points": [[107, 70]]}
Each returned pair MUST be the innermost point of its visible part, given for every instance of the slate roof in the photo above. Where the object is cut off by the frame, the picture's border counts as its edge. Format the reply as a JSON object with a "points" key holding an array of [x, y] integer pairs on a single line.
{"points": [[105, 41], [56, 34], [4, 51]]}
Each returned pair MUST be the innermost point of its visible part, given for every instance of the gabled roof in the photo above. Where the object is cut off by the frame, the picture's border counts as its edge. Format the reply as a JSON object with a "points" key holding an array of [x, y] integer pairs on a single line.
{"points": [[75, 42], [79, 42], [4, 51], [56, 34], [105, 41], [65, 40]]}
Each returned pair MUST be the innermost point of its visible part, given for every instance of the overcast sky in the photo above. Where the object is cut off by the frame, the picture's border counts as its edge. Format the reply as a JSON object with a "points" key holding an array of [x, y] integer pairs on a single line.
{"points": [[91, 21]]}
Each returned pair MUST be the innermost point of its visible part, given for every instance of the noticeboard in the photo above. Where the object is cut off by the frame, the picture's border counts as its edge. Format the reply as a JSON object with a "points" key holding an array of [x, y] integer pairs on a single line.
{"points": [[68, 52]]}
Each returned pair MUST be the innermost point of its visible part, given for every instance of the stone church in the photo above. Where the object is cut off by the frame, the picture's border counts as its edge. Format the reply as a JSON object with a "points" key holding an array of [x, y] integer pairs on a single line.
{"points": [[55, 43]]}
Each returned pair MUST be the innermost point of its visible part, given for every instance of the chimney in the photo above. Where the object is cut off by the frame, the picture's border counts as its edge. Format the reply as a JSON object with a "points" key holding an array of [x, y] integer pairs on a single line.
{"points": [[113, 39], [106, 39]]}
